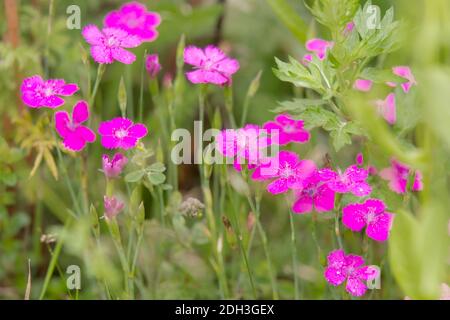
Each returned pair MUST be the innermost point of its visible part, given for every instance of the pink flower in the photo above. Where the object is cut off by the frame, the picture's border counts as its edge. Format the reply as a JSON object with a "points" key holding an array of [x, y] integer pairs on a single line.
{"points": [[152, 65], [319, 47], [108, 45], [113, 167], [75, 135], [349, 27], [39, 93], [387, 108], [134, 18], [287, 170], [315, 194], [121, 133], [363, 85], [285, 129], [342, 267], [245, 145], [359, 159], [398, 175], [370, 214], [404, 72], [113, 206], [211, 64], [352, 180]]}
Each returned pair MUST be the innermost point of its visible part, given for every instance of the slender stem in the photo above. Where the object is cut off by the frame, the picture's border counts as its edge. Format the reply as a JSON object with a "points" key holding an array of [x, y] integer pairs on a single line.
{"points": [[161, 207], [337, 230], [100, 71], [262, 233], [240, 242], [294, 255], [141, 89], [228, 92], [51, 9], [54, 260], [207, 198]]}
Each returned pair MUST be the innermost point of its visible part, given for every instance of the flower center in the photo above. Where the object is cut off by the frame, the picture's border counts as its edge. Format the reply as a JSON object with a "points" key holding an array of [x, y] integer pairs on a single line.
{"points": [[48, 92], [289, 128], [112, 41], [121, 133], [286, 171]]}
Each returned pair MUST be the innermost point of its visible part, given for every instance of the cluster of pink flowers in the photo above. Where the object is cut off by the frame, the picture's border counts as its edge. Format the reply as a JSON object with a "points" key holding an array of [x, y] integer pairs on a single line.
{"points": [[116, 133], [125, 28]]}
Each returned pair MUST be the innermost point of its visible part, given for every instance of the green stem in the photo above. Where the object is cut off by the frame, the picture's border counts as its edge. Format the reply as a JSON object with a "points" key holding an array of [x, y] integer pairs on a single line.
{"points": [[262, 233], [100, 71], [54, 260], [228, 92], [294, 255]]}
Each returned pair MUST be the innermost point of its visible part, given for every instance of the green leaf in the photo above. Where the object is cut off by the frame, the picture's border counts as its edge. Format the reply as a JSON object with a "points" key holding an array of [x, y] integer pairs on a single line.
{"points": [[288, 16], [156, 178], [157, 167], [297, 105], [297, 74], [122, 97], [418, 249], [134, 176]]}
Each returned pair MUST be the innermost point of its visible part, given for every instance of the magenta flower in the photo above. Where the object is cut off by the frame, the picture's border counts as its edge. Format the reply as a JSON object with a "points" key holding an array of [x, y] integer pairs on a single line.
{"points": [[245, 145], [398, 175], [39, 93], [113, 206], [342, 267], [121, 133], [404, 72], [285, 129], [352, 180], [370, 214], [108, 45], [363, 85], [113, 167], [134, 18], [319, 47], [75, 135], [349, 28], [387, 108], [152, 65], [287, 170], [211, 64], [315, 194]]}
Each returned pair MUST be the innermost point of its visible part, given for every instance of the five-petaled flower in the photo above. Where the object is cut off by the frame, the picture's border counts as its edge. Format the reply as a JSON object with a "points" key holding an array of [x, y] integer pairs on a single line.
{"points": [[342, 267], [285, 130], [370, 214], [211, 64], [108, 45], [398, 175], [121, 133], [39, 93], [288, 171], [112, 168], [134, 18], [75, 135], [315, 194], [113, 206]]}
